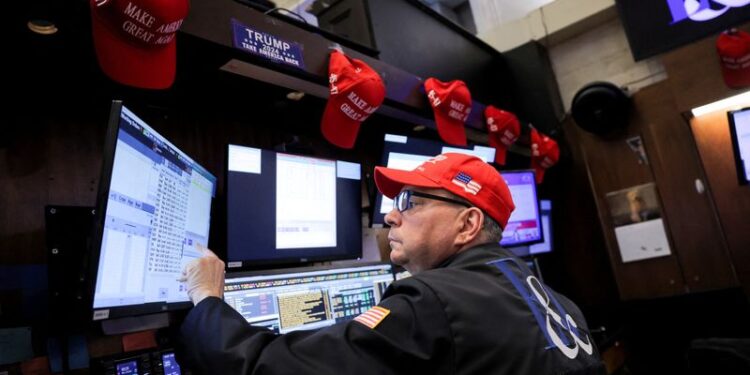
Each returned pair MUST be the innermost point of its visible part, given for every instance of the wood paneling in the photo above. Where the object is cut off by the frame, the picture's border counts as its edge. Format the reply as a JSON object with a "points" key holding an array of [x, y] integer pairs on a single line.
{"points": [[579, 264], [612, 166], [690, 216], [732, 200], [706, 230], [699, 259]]}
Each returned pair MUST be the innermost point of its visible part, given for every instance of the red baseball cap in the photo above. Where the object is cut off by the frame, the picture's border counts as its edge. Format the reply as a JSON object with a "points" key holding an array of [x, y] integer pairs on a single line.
{"points": [[464, 175], [356, 92], [503, 129], [544, 153], [451, 103], [734, 52], [135, 39]]}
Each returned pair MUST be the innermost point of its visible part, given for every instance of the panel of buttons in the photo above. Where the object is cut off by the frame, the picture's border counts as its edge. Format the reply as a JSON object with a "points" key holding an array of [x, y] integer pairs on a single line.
{"points": [[152, 362]]}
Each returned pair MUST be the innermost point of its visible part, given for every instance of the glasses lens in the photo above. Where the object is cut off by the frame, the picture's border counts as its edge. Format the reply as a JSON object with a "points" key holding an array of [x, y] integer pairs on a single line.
{"points": [[401, 201]]}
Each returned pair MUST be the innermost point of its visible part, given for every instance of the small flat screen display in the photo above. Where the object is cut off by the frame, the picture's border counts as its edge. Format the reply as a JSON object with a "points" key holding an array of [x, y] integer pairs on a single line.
{"points": [[524, 225], [739, 126], [156, 206]]}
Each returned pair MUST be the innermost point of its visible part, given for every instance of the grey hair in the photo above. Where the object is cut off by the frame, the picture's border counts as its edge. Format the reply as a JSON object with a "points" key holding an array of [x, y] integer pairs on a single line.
{"points": [[491, 230]]}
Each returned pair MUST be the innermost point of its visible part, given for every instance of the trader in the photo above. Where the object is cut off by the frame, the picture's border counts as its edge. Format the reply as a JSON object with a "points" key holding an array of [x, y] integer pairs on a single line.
{"points": [[470, 307]]}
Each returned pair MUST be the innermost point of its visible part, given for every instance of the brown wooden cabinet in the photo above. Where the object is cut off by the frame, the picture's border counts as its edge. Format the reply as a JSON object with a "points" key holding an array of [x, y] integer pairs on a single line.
{"points": [[699, 258]]}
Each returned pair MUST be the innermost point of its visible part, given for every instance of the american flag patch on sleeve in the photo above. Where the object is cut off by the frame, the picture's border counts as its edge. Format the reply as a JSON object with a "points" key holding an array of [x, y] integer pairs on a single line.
{"points": [[372, 317]]}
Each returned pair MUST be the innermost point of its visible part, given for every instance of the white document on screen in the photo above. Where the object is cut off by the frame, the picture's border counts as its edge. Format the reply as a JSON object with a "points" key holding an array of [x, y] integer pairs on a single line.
{"points": [[305, 202]]}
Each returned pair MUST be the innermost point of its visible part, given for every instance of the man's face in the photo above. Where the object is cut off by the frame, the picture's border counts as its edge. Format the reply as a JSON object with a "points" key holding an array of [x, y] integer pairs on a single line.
{"points": [[423, 236]]}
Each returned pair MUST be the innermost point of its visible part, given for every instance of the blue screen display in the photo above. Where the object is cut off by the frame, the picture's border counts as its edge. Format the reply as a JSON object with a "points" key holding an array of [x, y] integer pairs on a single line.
{"points": [[127, 368], [524, 225], [169, 364]]}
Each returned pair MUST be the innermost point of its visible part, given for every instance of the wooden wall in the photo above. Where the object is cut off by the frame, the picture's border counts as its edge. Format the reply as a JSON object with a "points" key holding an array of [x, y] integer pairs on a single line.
{"points": [[696, 80], [731, 199], [708, 237]]}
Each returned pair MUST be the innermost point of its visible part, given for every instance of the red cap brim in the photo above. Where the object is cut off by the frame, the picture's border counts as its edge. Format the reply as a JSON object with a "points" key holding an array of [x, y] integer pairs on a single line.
{"points": [[450, 130], [337, 127], [124, 62], [390, 181]]}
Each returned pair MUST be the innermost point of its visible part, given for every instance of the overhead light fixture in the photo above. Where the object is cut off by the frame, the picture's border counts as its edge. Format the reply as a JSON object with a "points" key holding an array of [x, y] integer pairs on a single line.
{"points": [[418, 128], [732, 102], [295, 95], [42, 27]]}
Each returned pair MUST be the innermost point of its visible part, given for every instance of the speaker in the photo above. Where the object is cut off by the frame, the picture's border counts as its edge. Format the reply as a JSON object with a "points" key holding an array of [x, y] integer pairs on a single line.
{"points": [[601, 108]]}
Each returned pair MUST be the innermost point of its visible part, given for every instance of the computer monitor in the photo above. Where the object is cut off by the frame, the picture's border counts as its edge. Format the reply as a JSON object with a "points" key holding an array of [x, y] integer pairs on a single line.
{"points": [[284, 208], [739, 129], [169, 364], [525, 224], [293, 299], [154, 206], [545, 246], [406, 153]]}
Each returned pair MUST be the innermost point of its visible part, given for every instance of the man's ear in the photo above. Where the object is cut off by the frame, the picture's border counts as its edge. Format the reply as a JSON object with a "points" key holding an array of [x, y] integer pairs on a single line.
{"points": [[471, 221]]}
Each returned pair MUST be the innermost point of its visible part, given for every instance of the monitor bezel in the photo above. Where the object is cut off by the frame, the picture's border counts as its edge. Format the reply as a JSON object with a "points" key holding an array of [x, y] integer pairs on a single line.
{"points": [[544, 236], [742, 176], [114, 312], [230, 275], [524, 251], [294, 261]]}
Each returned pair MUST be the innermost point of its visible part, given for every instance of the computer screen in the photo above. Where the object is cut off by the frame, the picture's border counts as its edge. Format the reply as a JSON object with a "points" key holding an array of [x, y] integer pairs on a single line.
{"points": [[739, 126], [655, 27], [524, 225], [284, 208], [154, 206], [545, 246], [169, 364], [294, 299], [406, 153], [129, 367]]}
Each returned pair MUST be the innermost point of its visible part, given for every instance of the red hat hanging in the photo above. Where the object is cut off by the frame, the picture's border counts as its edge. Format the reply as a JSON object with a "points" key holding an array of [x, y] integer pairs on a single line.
{"points": [[356, 92], [451, 104], [544, 153], [503, 130], [135, 40]]}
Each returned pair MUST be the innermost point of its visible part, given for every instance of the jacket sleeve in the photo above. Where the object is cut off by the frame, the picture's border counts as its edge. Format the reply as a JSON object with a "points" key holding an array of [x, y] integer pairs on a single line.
{"points": [[413, 338]]}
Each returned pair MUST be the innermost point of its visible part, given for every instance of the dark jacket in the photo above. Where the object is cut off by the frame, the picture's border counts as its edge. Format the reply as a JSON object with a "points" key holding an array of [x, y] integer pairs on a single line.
{"points": [[480, 312]]}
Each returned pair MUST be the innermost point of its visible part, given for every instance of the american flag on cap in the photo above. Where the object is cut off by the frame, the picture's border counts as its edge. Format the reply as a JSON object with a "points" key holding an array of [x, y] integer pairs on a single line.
{"points": [[464, 180], [372, 317]]}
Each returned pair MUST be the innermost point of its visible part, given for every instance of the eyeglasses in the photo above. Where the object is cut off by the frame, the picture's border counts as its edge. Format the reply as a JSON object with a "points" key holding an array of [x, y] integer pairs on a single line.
{"points": [[402, 201]]}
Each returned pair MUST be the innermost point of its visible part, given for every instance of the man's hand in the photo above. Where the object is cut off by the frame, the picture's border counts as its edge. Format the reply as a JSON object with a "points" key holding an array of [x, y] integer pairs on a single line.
{"points": [[204, 276]]}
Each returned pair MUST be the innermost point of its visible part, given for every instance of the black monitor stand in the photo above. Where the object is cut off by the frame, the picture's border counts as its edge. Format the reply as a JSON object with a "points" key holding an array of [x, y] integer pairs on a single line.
{"points": [[135, 323]]}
